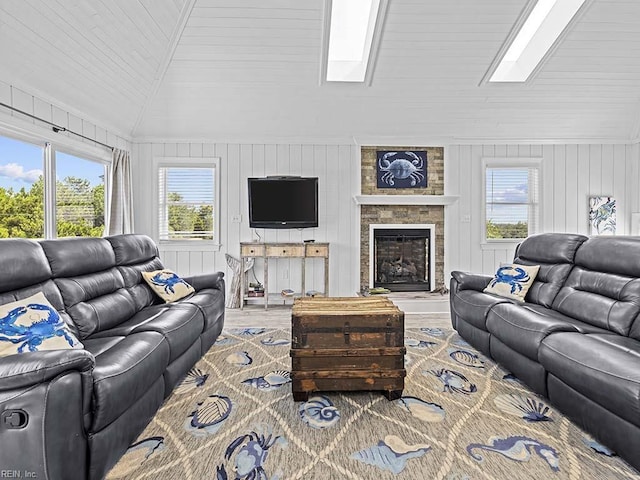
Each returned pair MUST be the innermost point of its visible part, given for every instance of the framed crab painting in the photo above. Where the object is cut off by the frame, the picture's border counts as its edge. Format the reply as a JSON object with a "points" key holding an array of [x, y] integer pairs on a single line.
{"points": [[401, 169]]}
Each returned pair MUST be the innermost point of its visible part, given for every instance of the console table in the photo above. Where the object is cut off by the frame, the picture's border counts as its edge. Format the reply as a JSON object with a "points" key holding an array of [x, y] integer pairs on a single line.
{"points": [[282, 250]]}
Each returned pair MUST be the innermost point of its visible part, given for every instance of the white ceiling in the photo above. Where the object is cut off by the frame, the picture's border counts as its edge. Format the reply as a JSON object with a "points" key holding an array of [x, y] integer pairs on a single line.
{"points": [[223, 69]]}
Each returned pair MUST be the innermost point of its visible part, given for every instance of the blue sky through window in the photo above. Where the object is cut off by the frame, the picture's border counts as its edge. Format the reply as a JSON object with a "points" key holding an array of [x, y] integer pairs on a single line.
{"points": [[21, 164], [507, 194]]}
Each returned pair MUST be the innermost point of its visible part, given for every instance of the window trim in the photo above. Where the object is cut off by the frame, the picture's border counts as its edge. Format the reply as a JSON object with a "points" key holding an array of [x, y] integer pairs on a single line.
{"points": [[508, 162], [187, 162], [49, 149]]}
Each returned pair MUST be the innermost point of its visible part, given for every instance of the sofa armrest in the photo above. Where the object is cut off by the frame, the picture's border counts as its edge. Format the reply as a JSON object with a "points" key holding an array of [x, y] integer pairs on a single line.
{"points": [[27, 369], [470, 281], [45, 400], [206, 280]]}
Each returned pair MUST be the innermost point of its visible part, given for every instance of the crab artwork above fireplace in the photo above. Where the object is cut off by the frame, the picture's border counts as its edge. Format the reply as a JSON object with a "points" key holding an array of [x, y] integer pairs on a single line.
{"points": [[402, 257]]}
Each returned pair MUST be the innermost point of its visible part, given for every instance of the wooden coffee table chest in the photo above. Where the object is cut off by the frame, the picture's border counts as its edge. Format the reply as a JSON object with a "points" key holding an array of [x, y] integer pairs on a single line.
{"points": [[347, 344]]}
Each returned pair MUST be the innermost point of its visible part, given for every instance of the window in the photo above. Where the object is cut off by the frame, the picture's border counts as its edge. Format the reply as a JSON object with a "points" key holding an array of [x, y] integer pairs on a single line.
{"points": [[187, 200], [511, 200], [80, 196], [29, 205]]}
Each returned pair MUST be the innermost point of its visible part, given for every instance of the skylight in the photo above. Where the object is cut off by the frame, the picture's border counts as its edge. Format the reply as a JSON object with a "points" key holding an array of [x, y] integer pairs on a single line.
{"points": [[351, 32], [540, 31]]}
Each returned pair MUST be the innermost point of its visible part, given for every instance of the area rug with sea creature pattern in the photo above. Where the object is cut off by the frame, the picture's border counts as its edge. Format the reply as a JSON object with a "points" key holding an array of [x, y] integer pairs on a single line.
{"points": [[461, 416]]}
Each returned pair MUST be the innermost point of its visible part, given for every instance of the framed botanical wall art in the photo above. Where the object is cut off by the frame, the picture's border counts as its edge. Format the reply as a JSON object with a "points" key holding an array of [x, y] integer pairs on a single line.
{"points": [[602, 215], [401, 169]]}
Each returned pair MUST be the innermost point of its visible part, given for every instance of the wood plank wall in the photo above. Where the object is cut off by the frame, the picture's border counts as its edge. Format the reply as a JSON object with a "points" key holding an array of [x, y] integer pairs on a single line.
{"points": [[336, 166], [570, 175]]}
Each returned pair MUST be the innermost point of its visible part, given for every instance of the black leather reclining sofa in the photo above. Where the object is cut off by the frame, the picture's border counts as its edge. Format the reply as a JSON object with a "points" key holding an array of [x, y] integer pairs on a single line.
{"points": [[71, 414], [576, 339]]}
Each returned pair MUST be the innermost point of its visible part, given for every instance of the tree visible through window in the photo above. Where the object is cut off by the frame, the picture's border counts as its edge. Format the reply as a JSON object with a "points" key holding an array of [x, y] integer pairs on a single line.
{"points": [[511, 202], [186, 200], [79, 197]]}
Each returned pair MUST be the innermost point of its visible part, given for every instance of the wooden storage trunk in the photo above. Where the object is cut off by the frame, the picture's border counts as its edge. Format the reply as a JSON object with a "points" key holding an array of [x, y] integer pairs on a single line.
{"points": [[347, 344]]}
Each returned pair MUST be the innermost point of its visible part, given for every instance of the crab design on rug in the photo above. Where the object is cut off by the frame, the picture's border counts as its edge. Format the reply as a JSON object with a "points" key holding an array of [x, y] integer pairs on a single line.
{"points": [[515, 281], [37, 332], [250, 452]]}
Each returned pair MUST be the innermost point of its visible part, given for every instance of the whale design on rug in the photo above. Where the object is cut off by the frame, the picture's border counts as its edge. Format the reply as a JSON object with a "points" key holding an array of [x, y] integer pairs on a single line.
{"points": [[391, 454], [414, 343], [526, 407], [270, 381], [598, 447], [224, 340], [517, 448], [434, 332], [270, 342], [209, 416], [247, 331], [194, 379], [247, 454], [319, 412]]}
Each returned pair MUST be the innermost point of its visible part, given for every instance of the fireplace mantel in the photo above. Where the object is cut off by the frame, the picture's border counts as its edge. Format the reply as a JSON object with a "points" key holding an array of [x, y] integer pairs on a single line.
{"points": [[405, 199]]}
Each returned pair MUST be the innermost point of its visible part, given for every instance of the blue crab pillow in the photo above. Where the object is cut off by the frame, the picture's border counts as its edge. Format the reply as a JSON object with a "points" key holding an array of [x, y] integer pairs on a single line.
{"points": [[31, 325], [513, 281], [167, 285]]}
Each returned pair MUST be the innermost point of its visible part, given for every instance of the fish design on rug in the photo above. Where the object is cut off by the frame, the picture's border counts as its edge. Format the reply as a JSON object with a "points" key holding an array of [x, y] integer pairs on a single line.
{"points": [[194, 379], [270, 381], [391, 454], [598, 447], [434, 332], [412, 342], [454, 382], [239, 358], [319, 412], [465, 357], [517, 448], [209, 416], [270, 342], [425, 411], [222, 340], [137, 454], [526, 407], [247, 455], [247, 331]]}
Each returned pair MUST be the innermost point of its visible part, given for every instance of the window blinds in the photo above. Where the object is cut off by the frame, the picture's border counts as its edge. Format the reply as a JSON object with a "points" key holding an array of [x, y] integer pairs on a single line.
{"points": [[186, 201], [511, 201]]}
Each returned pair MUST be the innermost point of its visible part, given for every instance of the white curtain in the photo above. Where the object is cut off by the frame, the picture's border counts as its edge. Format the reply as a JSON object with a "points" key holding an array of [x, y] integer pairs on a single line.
{"points": [[119, 217]]}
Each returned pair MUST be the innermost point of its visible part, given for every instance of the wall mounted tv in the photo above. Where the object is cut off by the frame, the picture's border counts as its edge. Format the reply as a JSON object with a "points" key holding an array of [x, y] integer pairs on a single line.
{"points": [[283, 202]]}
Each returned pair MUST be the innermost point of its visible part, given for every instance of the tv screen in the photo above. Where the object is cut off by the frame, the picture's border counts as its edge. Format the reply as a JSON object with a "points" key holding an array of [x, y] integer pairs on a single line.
{"points": [[283, 202]]}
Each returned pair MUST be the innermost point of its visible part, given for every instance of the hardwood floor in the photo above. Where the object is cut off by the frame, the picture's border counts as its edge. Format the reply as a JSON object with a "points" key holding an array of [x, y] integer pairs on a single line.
{"points": [[280, 317]]}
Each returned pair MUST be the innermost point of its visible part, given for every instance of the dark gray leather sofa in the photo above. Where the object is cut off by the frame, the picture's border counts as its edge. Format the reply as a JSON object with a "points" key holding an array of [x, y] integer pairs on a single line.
{"points": [[576, 339], [71, 414]]}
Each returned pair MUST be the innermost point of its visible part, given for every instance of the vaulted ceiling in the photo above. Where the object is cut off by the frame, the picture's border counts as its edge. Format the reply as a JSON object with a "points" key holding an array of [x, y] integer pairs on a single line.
{"points": [[211, 69]]}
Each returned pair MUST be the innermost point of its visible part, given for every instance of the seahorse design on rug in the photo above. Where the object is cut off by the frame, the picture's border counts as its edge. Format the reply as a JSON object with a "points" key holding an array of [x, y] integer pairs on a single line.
{"points": [[517, 448]]}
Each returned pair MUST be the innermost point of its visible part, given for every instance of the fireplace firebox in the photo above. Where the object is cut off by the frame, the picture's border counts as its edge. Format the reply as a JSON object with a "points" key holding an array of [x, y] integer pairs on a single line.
{"points": [[402, 259]]}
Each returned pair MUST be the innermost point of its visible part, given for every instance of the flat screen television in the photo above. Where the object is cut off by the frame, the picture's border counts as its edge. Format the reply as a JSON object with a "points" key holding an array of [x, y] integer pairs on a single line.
{"points": [[283, 202]]}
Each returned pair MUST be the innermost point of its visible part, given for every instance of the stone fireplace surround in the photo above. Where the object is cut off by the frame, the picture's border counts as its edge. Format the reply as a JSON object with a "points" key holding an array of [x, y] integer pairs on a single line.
{"points": [[403, 207]]}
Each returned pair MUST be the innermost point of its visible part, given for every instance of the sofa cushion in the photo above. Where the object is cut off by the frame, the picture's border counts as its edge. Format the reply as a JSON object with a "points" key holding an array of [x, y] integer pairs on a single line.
{"points": [[125, 368], [179, 324], [131, 249], [167, 285], [69, 257], [513, 281], [603, 367], [523, 327], [604, 287], [23, 263], [473, 306], [210, 301], [31, 325], [554, 253]]}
